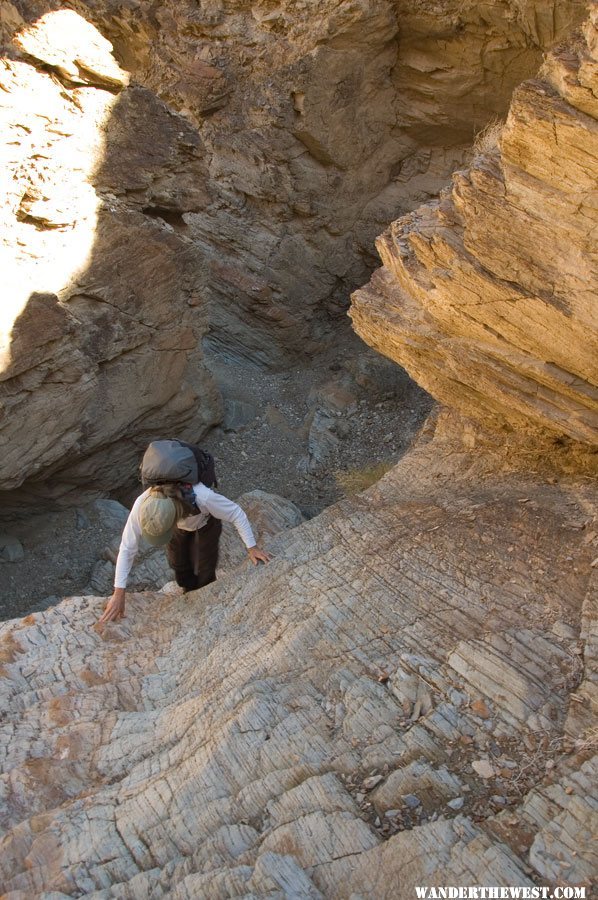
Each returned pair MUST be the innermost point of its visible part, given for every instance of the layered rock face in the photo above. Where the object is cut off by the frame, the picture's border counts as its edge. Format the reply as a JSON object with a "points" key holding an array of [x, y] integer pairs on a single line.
{"points": [[302, 134], [101, 318], [488, 296], [404, 696], [321, 125]]}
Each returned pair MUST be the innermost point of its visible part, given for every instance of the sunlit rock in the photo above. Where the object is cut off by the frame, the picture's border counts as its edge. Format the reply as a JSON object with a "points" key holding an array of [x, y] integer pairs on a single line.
{"points": [[101, 322], [488, 296]]}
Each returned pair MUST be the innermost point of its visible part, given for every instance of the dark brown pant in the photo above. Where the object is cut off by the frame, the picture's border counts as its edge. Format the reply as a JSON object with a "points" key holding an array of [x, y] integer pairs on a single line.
{"points": [[194, 555]]}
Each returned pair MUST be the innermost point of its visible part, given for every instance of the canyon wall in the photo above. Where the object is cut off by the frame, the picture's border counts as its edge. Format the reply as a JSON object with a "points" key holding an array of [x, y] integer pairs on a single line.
{"points": [[101, 316], [406, 695], [488, 295], [320, 127], [249, 194]]}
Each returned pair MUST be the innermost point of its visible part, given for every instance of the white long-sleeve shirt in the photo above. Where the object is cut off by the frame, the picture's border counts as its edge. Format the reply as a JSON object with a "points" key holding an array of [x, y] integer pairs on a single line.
{"points": [[208, 503]]}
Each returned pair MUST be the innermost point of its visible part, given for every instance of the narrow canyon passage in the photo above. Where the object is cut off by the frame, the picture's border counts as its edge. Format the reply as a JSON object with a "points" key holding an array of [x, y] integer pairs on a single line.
{"points": [[170, 190], [405, 693]]}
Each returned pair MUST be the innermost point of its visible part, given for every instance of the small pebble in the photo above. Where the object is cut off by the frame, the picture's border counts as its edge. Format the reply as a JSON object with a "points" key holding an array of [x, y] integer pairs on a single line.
{"points": [[371, 782], [483, 768]]}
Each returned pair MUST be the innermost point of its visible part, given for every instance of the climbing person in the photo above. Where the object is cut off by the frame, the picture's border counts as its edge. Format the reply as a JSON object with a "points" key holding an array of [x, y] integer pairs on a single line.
{"points": [[180, 509]]}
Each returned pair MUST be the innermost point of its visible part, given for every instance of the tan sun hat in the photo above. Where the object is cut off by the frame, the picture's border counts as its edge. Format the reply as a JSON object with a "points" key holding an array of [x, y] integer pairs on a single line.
{"points": [[157, 518]]}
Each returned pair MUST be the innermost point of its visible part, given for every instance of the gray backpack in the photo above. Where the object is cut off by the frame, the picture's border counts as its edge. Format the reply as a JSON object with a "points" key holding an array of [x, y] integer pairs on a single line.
{"points": [[168, 462]]}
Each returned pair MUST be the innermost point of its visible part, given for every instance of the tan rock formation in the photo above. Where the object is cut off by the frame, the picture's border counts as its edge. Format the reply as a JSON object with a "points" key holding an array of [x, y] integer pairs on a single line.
{"points": [[303, 729], [488, 297], [100, 323]]}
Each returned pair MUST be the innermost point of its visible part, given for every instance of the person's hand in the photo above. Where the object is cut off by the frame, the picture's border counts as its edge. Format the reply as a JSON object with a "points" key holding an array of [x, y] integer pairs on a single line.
{"points": [[115, 608], [255, 555]]}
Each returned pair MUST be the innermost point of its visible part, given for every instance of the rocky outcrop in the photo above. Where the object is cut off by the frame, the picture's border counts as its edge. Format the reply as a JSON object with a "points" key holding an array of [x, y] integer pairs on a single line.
{"points": [[488, 296], [318, 129], [101, 326], [404, 696]]}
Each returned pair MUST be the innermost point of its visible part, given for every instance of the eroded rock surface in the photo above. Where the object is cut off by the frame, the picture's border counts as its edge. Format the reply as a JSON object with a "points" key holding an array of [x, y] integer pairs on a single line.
{"points": [[488, 296], [404, 696], [101, 320]]}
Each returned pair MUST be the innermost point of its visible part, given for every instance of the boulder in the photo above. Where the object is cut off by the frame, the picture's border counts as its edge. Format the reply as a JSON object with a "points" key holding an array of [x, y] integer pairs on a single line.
{"points": [[11, 549]]}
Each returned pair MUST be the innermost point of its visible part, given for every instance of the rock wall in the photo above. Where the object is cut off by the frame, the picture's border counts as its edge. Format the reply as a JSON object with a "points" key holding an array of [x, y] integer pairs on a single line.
{"points": [[488, 296], [320, 127], [102, 320], [405, 695]]}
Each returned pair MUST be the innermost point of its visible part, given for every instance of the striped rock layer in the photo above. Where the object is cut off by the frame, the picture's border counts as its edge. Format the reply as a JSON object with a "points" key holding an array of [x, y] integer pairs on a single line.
{"points": [[405, 695], [488, 296]]}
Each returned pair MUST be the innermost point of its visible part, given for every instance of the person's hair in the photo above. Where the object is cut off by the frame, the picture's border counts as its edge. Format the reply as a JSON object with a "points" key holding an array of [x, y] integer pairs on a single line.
{"points": [[173, 492]]}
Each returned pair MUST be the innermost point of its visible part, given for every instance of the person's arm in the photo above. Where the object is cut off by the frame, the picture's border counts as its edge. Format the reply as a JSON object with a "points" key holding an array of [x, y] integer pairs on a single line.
{"points": [[129, 545], [229, 511]]}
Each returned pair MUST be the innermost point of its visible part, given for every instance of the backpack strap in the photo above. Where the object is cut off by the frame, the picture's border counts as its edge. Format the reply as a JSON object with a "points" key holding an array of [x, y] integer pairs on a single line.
{"points": [[205, 464]]}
